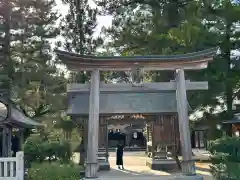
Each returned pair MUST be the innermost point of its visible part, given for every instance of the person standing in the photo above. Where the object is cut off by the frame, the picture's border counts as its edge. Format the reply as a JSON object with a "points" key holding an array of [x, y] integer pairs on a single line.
{"points": [[120, 156]]}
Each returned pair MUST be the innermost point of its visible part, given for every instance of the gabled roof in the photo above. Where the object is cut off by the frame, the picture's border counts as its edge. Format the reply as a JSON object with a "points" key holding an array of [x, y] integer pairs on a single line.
{"points": [[75, 61]]}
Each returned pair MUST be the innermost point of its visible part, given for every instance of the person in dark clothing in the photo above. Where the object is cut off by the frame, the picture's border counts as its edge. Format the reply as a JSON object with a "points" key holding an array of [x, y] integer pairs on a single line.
{"points": [[119, 154]]}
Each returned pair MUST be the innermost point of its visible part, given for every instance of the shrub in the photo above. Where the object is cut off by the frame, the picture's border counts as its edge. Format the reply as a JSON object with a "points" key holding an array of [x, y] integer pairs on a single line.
{"points": [[225, 156], [33, 148], [40, 149], [64, 151], [54, 171]]}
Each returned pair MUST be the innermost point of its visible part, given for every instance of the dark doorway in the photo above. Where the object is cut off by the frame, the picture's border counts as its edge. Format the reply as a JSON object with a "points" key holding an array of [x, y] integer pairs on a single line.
{"points": [[116, 137], [199, 139], [139, 140]]}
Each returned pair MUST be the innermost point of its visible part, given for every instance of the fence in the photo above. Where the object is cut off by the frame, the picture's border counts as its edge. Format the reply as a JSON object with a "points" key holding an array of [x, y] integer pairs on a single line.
{"points": [[12, 168]]}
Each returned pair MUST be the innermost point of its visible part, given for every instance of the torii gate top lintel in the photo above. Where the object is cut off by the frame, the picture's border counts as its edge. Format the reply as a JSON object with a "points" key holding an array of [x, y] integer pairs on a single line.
{"points": [[196, 60]]}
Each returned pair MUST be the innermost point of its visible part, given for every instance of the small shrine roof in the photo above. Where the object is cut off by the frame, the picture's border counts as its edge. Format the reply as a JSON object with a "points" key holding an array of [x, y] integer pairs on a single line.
{"points": [[234, 120], [17, 118], [76, 61]]}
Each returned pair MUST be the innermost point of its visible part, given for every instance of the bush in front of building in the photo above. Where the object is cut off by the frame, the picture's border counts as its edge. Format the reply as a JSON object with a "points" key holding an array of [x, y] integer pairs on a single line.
{"points": [[39, 148], [53, 171], [225, 157]]}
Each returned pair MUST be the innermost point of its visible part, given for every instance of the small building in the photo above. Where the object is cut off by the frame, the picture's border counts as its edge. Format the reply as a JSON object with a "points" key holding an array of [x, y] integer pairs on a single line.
{"points": [[16, 121], [235, 124], [199, 136]]}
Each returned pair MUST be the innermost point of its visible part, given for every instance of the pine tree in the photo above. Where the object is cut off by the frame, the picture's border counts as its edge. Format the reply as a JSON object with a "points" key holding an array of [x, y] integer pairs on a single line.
{"points": [[223, 17], [6, 25], [140, 28], [78, 32], [78, 28], [38, 84], [28, 26]]}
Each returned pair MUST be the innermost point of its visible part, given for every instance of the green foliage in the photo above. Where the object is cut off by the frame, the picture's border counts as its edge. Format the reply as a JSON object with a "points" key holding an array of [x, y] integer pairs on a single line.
{"points": [[141, 27], [54, 171], [64, 151], [77, 29], [39, 148], [225, 156], [33, 79], [33, 148], [222, 18]]}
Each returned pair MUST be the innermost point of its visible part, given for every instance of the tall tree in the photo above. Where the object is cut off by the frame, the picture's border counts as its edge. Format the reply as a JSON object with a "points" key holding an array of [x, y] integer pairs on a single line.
{"points": [[7, 23], [139, 28], [223, 17], [37, 81], [78, 28], [26, 29]]}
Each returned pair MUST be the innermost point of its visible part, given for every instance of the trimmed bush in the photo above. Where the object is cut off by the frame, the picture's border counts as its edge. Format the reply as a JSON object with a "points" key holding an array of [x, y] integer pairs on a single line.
{"points": [[64, 151], [53, 171], [225, 156], [38, 149], [33, 148]]}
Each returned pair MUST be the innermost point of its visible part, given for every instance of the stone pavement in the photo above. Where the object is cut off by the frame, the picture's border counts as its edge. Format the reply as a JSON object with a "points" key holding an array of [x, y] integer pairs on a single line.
{"points": [[135, 169]]}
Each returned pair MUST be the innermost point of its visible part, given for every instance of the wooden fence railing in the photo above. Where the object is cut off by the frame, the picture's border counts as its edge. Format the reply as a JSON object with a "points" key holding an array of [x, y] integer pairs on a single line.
{"points": [[12, 168]]}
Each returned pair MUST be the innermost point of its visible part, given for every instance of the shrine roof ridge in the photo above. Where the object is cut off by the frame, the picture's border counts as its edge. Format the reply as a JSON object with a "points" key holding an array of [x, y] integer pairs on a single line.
{"points": [[207, 53]]}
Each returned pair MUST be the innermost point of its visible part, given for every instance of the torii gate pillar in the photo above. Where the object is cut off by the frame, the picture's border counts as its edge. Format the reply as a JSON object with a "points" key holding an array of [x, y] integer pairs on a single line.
{"points": [[188, 166], [93, 126]]}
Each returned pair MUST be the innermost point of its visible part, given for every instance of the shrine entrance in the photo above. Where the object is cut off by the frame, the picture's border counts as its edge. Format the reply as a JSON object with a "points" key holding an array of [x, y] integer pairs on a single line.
{"points": [[164, 104], [127, 130]]}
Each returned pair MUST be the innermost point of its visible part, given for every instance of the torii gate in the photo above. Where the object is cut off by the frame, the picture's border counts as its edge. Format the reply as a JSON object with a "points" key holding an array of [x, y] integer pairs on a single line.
{"points": [[177, 63]]}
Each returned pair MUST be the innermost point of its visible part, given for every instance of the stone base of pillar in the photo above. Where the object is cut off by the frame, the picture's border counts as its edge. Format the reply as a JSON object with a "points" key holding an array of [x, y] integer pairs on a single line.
{"points": [[91, 170], [104, 166], [167, 165], [188, 168]]}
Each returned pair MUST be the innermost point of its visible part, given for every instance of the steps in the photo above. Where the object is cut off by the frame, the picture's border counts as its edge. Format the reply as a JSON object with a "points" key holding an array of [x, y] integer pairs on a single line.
{"points": [[103, 162]]}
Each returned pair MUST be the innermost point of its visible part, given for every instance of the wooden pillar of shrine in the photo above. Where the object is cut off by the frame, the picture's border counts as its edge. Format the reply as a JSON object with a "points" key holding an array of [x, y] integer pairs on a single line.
{"points": [[103, 136], [7, 141], [147, 138], [153, 139], [82, 143], [102, 133]]}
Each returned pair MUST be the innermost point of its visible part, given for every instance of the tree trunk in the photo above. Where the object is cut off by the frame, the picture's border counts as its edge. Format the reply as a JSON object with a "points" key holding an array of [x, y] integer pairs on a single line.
{"points": [[229, 88], [82, 153]]}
